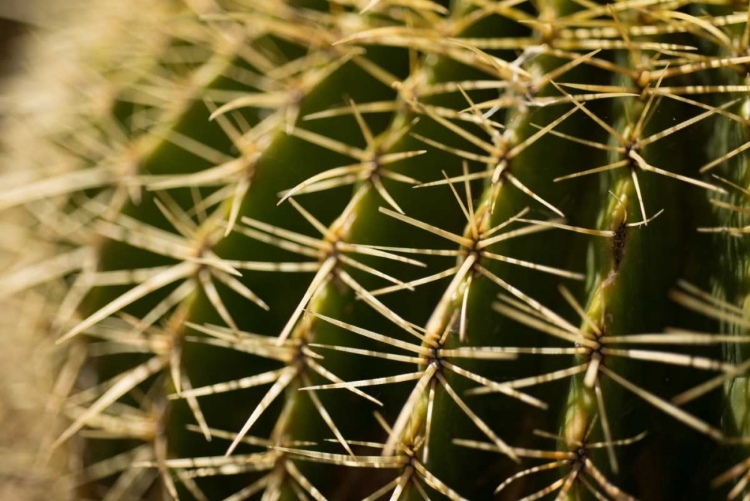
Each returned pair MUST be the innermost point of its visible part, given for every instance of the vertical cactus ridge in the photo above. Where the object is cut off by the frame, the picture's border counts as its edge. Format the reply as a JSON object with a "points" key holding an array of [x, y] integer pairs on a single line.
{"points": [[356, 249], [726, 301]]}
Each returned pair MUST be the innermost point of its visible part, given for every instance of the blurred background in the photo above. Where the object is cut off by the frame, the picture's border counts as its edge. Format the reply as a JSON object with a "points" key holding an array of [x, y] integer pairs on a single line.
{"points": [[21, 414]]}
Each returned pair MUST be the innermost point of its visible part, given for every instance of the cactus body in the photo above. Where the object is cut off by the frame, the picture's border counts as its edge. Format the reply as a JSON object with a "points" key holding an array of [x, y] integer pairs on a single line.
{"points": [[399, 248]]}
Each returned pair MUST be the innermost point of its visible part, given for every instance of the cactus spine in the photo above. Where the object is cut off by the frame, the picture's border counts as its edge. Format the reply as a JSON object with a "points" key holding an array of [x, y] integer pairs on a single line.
{"points": [[350, 250]]}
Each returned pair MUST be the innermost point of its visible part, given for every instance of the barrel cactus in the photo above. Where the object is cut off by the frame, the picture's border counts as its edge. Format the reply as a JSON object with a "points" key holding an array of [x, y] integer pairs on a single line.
{"points": [[377, 249]]}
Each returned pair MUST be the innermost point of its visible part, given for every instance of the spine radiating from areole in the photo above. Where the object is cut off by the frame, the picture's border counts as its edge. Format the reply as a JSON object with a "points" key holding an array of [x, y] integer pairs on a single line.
{"points": [[403, 249]]}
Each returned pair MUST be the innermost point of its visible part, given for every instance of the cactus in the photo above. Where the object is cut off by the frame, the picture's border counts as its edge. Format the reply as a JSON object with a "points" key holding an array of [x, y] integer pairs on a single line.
{"points": [[352, 249]]}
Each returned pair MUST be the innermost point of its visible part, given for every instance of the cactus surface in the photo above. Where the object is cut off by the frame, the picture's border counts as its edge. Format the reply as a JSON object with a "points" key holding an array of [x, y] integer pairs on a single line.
{"points": [[377, 249]]}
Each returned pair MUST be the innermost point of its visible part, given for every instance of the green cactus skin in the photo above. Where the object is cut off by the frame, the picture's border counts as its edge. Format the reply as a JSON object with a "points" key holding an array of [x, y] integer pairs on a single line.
{"points": [[395, 249]]}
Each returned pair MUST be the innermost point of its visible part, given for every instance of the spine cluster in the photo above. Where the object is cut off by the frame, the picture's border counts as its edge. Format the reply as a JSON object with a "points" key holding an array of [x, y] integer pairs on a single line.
{"points": [[384, 249]]}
